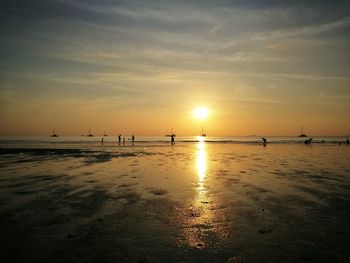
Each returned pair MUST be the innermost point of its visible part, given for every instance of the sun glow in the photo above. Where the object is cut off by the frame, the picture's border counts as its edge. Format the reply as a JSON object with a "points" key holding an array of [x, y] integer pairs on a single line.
{"points": [[200, 138], [201, 113]]}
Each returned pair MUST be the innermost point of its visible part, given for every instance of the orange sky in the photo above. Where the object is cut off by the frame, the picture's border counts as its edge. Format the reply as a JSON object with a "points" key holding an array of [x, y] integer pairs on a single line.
{"points": [[140, 68]]}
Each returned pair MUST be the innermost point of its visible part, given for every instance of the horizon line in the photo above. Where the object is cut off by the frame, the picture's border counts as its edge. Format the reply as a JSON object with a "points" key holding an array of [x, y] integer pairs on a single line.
{"points": [[164, 135]]}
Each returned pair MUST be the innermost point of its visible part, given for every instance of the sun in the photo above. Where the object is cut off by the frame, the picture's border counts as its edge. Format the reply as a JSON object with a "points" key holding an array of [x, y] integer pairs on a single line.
{"points": [[201, 113]]}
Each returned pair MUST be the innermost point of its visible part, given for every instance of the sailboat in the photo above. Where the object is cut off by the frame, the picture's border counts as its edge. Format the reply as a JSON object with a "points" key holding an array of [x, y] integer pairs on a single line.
{"points": [[172, 134], [203, 134], [89, 134], [53, 133], [302, 133]]}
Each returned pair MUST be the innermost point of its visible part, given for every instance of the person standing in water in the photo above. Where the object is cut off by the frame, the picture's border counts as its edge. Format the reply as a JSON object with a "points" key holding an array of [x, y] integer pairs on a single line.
{"points": [[102, 141], [119, 138], [133, 138], [172, 139], [308, 141]]}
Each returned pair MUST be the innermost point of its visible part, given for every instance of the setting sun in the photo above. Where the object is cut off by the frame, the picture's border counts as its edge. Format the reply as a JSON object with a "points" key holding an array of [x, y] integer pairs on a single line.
{"points": [[201, 113]]}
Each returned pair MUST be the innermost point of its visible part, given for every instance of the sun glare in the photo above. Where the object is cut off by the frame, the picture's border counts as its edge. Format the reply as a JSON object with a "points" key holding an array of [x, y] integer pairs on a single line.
{"points": [[201, 113]]}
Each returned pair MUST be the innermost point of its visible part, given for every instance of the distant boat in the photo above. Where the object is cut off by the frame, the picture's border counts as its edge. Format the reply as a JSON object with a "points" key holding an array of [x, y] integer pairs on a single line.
{"points": [[302, 133], [53, 133], [89, 134], [203, 134], [172, 134]]}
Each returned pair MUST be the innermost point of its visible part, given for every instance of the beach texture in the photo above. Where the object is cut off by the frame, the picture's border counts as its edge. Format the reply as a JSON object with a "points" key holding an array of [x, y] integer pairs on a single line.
{"points": [[191, 202]]}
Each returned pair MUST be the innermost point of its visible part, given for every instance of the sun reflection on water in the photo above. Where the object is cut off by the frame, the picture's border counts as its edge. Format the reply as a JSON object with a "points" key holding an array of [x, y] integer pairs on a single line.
{"points": [[201, 163], [200, 138], [200, 227], [199, 212]]}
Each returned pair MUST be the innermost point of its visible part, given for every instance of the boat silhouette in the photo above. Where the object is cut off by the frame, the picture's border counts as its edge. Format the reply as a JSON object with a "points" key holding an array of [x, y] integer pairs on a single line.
{"points": [[53, 133], [172, 134], [203, 134], [90, 134], [302, 132]]}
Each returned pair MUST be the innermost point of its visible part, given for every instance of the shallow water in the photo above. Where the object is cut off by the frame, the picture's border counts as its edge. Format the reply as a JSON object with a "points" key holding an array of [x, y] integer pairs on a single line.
{"points": [[191, 202], [83, 142]]}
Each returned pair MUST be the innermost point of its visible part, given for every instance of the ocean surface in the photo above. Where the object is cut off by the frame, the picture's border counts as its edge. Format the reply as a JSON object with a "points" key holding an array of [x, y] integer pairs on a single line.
{"points": [[83, 142]]}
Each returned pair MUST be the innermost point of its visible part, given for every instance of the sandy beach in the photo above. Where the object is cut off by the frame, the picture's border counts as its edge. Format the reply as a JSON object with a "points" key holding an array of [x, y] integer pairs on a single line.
{"points": [[191, 202]]}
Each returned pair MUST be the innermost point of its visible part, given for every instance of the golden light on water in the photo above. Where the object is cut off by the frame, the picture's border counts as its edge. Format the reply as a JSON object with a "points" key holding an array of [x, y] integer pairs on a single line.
{"points": [[201, 113], [203, 220], [200, 138], [200, 209], [201, 162]]}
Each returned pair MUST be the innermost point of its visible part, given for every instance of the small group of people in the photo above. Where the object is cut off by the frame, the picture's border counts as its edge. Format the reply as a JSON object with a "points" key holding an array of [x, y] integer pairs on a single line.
{"points": [[308, 141], [120, 139]]}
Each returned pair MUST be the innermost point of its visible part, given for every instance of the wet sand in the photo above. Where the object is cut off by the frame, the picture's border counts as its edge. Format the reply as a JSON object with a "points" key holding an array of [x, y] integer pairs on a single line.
{"points": [[194, 202]]}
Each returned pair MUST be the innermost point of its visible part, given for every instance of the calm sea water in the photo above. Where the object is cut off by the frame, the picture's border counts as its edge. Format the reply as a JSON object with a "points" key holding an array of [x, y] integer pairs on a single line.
{"points": [[111, 141]]}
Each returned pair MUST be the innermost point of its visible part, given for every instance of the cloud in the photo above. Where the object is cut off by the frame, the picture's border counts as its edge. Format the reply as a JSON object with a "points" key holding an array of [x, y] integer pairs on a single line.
{"points": [[148, 52]]}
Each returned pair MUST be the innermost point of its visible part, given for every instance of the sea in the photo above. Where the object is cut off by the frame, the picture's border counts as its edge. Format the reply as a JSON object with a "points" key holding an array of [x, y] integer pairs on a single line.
{"points": [[84, 142]]}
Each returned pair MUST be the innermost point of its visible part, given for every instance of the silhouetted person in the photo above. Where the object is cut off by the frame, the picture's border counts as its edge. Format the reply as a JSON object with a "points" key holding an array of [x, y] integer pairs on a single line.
{"points": [[102, 141], [119, 138], [347, 141], [323, 141], [172, 139], [133, 138], [264, 141], [308, 141]]}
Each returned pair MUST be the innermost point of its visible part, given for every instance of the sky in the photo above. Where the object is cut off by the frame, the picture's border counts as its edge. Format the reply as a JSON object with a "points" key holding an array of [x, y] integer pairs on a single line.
{"points": [[141, 67]]}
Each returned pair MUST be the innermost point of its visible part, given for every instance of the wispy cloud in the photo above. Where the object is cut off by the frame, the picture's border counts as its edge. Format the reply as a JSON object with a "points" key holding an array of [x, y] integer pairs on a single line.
{"points": [[126, 53]]}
